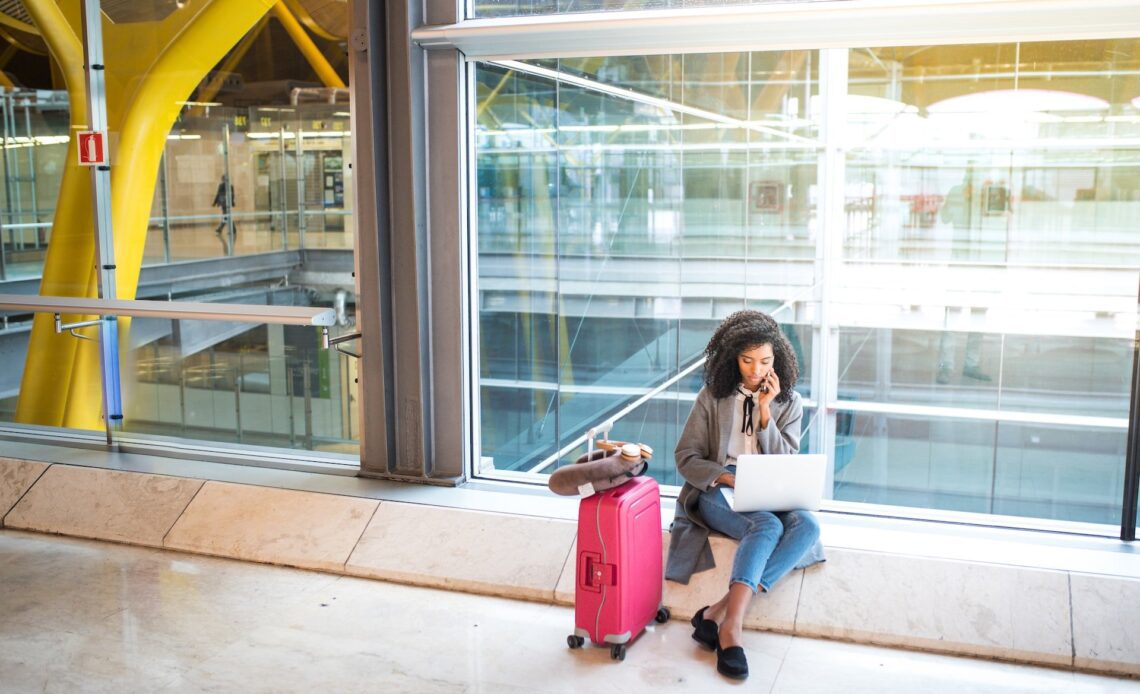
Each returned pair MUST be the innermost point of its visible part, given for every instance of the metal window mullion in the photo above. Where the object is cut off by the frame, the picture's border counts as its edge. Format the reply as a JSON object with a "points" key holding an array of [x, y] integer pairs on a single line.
{"points": [[450, 353], [1132, 451], [471, 265], [368, 81], [228, 191], [283, 187], [829, 242], [299, 153], [164, 189], [104, 236]]}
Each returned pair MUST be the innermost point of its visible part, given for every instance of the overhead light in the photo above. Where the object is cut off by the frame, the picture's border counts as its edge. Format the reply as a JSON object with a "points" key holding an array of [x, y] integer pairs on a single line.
{"points": [[1019, 101]]}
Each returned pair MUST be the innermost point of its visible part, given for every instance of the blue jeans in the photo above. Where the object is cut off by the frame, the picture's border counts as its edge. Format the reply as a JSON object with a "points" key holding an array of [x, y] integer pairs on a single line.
{"points": [[771, 544]]}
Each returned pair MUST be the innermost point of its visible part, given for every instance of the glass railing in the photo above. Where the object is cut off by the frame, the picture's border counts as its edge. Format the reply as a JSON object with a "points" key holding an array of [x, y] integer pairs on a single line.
{"points": [[236, 392]]}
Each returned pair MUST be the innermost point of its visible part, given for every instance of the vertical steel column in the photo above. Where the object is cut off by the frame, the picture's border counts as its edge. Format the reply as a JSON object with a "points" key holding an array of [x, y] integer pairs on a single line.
{"points": [[409, 238], [306, 384], [300, 154], [104, 234], [368, 80], [829, 245], [228, 190], [282, 188], [239, 383], [449, 349], [32, 172], [165, 188], [6, 219], [9, 195]]}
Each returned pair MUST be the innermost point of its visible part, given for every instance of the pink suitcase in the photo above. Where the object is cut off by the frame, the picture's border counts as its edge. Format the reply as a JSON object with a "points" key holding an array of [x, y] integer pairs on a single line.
{"points": [[618, 582]]}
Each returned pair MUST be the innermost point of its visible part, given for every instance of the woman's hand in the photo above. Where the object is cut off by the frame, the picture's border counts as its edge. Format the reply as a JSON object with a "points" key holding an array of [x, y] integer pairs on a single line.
{"points": [[769, 388], [727, 479]]}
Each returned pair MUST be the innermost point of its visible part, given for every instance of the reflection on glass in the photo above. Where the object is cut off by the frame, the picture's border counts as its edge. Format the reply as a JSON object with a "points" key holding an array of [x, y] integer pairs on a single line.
{"points": [[1055, 374], [1054, 472], [1013, 154], [624, 206], [985, 260], [35, 130], [282, 182]]}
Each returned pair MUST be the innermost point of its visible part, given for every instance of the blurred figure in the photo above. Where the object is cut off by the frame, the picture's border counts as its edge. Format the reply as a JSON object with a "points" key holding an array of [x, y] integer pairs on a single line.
{"points": [[224, 198], [961, 210]]}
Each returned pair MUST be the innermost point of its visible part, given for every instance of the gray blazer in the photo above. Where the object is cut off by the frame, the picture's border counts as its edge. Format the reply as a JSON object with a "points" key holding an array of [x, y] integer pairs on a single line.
{"points": [[700, 454]]}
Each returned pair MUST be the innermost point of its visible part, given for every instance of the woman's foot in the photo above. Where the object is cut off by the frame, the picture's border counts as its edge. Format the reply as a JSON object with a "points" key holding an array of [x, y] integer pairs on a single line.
{"points": [[705, 631], [730, 658], [731, 662]]}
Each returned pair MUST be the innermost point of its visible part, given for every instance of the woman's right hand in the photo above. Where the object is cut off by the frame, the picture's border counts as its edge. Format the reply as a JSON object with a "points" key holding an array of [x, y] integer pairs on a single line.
{"points": [[727, 479]]}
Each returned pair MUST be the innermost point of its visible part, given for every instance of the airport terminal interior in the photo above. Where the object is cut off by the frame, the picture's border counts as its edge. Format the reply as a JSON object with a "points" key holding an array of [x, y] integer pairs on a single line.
{"points": [[360, 276]]}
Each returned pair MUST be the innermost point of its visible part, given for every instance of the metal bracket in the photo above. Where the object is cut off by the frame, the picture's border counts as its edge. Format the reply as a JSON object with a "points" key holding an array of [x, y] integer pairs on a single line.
{"points": [[334, 342], [72, 327]]}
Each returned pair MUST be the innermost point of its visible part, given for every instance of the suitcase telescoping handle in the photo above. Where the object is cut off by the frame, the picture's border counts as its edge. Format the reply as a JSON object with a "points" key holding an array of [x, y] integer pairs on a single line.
{"points": [[593, 574], [603, 429]]}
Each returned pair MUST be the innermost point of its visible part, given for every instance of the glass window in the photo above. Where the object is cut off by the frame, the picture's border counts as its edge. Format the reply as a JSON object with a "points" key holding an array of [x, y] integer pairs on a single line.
{"points": [[1011, 469], [229, 183], [981, 282], [624, 206]]}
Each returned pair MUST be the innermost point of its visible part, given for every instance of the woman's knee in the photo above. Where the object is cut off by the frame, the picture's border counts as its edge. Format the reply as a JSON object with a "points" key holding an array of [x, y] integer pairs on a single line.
{"points": [[764, 523], [803, 523]]}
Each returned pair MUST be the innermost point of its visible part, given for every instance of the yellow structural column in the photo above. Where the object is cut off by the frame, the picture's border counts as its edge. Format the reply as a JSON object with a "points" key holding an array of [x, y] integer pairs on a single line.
{"points": [[61, 384], [308, 49], [201, 44], [71, 251]]}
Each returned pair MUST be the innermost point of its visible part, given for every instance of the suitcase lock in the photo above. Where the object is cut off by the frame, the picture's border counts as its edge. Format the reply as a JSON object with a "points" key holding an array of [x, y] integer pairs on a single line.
{"points": [[593, 574]]}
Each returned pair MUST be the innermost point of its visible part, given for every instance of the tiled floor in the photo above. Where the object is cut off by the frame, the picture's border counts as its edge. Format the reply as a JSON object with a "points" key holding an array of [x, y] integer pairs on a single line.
{"points": [[78, 615]]}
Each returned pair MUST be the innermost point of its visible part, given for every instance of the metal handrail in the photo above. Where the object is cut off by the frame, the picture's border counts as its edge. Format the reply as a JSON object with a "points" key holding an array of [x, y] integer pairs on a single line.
{"points": [[185, 310]]}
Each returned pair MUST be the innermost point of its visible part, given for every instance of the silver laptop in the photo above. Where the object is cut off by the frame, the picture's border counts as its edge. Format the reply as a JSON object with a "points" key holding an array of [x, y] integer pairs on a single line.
{"points": [[770, 482]]}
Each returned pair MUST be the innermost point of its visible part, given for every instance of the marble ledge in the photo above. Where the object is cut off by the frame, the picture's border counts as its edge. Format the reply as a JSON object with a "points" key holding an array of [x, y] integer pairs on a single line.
{"points": [[1105, 612], [128, 507], [939, 605], [16, 478], [272, 526], [474, 551]]}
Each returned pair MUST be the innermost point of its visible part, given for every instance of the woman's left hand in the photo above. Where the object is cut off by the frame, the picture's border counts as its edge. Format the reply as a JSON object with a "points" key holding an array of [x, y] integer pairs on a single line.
{"points": [[771, 388]]}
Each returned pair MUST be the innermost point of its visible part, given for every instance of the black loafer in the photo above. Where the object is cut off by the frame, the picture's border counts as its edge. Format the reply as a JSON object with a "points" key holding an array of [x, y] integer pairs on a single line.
{"points": [[731, 662], [705, 631]]}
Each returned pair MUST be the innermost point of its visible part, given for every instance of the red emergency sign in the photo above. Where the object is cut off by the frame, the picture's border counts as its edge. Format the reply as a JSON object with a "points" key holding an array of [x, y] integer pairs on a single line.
{"points": [[92, 148]]}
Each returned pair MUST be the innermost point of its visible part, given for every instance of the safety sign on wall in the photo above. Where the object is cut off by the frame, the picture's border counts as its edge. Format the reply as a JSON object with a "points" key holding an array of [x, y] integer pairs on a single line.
{"points": [[92, 148]]}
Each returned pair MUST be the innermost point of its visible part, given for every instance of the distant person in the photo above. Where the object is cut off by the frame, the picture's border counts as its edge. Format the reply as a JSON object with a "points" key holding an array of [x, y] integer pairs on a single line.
{"points": [[224, 198], [959, 211], [962, 210]]}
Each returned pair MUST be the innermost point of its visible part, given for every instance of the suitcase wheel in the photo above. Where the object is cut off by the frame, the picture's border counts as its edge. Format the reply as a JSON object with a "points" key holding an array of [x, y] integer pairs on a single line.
{"points": [[662, 615], [575, 641], [617, 651]]}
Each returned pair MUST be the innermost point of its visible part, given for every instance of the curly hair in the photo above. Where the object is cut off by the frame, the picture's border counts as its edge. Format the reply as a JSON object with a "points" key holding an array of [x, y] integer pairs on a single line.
{"points": [[740, 332]]}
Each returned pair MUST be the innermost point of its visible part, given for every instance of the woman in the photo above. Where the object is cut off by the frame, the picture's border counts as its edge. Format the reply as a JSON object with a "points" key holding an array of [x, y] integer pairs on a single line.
{"points": [[747, 405]]}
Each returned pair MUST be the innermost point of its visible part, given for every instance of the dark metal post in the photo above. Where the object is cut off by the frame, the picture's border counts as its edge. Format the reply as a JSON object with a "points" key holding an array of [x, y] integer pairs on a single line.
{"points": [[104, 237], [1132, 453]]}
